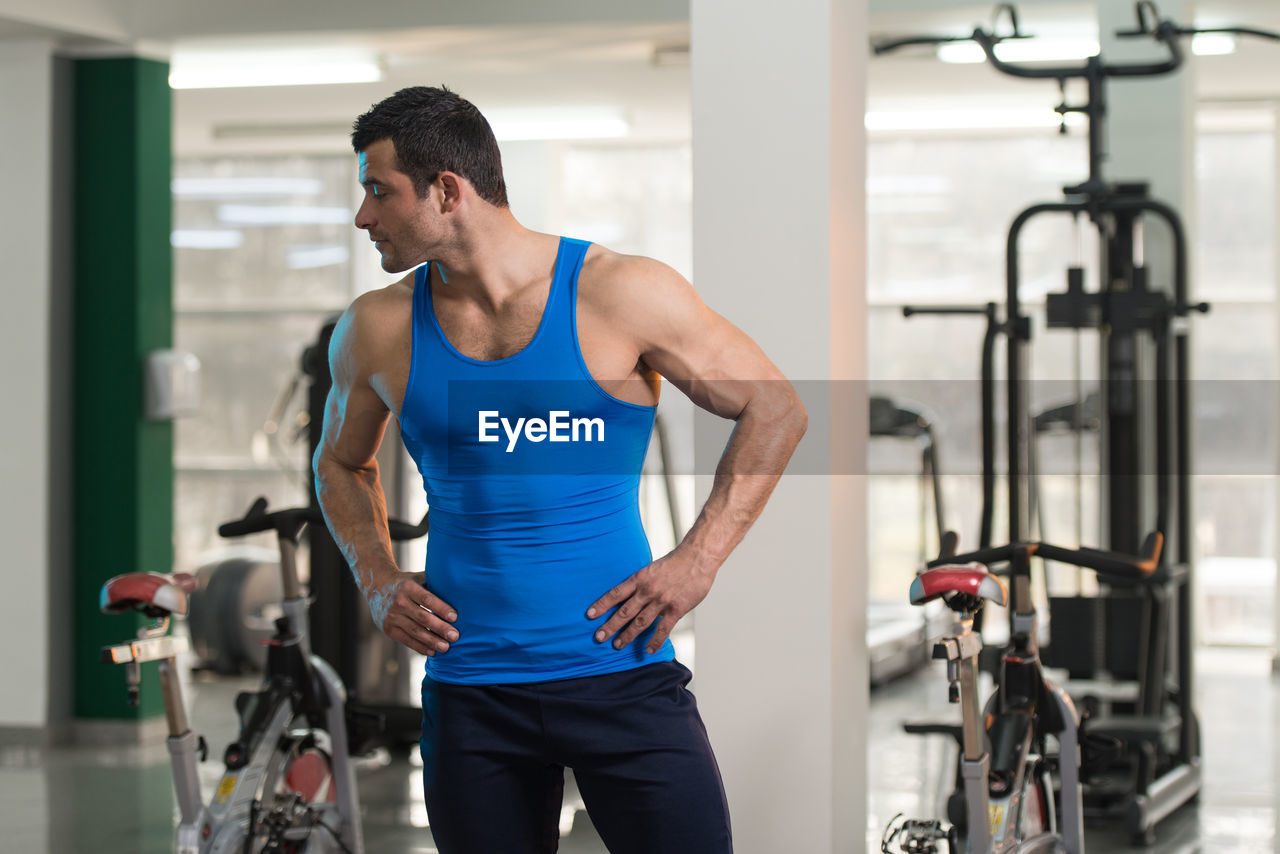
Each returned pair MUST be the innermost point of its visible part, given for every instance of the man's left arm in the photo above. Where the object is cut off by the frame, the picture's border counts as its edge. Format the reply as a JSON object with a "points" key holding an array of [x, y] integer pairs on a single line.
{"points": [[723, 371]]}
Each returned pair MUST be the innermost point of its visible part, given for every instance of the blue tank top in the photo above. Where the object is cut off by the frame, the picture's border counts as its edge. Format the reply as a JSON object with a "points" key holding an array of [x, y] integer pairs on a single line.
{"points": [[532, 475]]}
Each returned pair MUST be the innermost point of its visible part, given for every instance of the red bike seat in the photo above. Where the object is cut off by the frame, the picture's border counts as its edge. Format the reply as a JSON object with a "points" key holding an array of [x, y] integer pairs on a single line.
{"points": [[971, 579], [152, 593]]}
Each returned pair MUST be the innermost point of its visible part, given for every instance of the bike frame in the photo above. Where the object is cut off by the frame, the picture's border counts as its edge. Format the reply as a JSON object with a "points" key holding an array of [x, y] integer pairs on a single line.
{"points": [[223, 824], [996, 824]]}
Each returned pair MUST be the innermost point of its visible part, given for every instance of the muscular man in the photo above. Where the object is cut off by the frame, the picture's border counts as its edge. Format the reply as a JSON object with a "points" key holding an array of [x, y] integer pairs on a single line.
{"points": [[523, 369]]}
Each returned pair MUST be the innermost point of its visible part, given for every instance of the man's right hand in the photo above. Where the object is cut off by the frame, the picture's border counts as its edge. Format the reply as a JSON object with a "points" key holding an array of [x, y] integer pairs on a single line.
{"points": [[408, 613]]}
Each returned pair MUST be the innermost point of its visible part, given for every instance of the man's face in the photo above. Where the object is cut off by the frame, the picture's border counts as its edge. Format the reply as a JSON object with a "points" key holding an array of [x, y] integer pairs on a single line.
{"points": [[399, 223]]}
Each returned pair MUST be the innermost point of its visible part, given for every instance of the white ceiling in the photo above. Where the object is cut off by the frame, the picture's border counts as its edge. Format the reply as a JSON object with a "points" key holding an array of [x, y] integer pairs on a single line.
{"points": [[499, 68], [547, 63]]}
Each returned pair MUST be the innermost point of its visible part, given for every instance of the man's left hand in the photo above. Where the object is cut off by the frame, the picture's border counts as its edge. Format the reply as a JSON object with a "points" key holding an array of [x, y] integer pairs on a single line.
{"points": [[668, 588]]}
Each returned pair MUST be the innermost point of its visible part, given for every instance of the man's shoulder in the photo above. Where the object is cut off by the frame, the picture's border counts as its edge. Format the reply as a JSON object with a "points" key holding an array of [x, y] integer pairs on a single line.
{"points": [[615, 282], [384, 304], [377, 322]]}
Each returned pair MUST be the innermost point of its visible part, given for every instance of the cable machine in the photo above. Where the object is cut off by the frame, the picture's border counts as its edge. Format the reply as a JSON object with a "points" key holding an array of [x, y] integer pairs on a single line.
{"points": [[1141, 632]]}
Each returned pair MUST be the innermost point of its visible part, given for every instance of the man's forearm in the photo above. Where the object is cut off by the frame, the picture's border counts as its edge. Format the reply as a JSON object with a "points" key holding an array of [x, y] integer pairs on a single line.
{"points": [[355, 510], [768, 429], [753, 461]]}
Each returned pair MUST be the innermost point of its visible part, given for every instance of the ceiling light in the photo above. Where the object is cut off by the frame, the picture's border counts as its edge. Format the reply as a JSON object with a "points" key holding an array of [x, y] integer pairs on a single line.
{"points": [[220, 69], [1213, 44], [971, 119], [1020, 50], [1057, 50], [283, 215], [961, 53], [309, 257], [221, 188], [190, 238]]}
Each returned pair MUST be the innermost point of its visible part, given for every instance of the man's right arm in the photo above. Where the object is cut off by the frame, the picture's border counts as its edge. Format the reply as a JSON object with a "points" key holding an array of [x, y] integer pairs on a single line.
{"points": [[350, 492]]}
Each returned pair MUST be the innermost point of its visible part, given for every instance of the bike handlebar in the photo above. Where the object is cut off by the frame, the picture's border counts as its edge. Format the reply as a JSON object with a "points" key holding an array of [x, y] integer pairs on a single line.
{"points": [[1106, 562], [288, 523]]}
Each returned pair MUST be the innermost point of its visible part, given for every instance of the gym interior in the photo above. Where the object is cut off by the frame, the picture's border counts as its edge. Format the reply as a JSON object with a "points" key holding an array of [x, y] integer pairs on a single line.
{"points": [[1020, 262]]}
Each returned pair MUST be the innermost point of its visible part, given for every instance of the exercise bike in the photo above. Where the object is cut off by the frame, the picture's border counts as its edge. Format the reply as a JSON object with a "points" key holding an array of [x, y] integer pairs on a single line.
{"points": [[289, 785], [1007, 802]]}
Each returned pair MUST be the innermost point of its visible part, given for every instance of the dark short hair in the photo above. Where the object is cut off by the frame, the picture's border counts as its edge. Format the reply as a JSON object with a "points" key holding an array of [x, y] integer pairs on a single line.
{"points": [[433, 131]]}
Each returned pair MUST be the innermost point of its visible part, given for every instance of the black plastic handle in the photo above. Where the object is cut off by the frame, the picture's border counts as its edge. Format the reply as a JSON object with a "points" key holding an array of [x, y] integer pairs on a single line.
{"points": [[405, 531], [890, 45], [912, 310], [995, 554], [1109, 563], [288, 523], [254, 521]]}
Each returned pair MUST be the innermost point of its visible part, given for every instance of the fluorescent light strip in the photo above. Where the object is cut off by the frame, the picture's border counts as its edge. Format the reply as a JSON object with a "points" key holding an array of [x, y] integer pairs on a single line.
{"points": [[986, 119], [1213, 44], [189, 238], [235, 69], [221, 188], [283, 215], [309, 257], [1057, 50], [1020, 50]]}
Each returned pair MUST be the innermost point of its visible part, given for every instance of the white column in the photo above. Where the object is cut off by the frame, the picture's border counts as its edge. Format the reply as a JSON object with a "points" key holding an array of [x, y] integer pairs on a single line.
{"points": [[1275, 480], [27, 247], [779, 239]]}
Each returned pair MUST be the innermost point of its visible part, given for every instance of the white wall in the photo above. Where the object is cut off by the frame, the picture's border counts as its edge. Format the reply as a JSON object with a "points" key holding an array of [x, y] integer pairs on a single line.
{"points": [[165, 19], [26, 247], [89, 19], [1275, 248], [128, 21]]}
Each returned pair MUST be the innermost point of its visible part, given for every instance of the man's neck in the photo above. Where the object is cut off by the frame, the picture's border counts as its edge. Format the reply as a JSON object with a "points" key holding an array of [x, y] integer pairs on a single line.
{"points": [[495, 258]]}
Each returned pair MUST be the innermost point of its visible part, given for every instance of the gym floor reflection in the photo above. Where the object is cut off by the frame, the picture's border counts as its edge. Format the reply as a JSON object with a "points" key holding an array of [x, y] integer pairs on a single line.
{"points": [[113, 801]]}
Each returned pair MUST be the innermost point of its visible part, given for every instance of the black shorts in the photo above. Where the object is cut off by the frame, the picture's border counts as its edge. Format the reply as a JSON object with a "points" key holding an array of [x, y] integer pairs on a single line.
{"points": [[494, 759]]}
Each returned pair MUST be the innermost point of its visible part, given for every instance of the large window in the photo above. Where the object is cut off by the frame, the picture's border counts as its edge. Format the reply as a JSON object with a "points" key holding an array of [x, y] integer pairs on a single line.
{"points": [[939, 211], [265, 253], [1235, 360], [262, 259]]}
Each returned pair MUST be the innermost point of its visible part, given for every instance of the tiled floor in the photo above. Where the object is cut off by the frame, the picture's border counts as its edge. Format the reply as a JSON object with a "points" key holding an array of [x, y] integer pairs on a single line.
{"points": [[69, 801]]}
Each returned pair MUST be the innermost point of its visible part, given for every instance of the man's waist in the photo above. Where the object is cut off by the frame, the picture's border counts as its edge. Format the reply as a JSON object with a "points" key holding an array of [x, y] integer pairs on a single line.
{"points": [[547, 522]]}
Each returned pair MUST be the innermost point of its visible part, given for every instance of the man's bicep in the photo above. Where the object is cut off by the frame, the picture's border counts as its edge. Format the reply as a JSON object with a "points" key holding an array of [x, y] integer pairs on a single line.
{"points": [[715, 363], [353, 426], [355, 416]]}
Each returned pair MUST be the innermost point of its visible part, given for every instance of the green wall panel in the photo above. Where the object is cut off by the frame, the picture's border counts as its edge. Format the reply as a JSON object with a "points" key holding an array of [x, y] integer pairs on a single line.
{"points": [[123, 464]]}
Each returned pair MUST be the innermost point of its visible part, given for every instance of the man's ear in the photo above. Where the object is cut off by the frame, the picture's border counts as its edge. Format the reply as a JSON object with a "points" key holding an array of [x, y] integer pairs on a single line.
{"points": [[451, 190]]}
